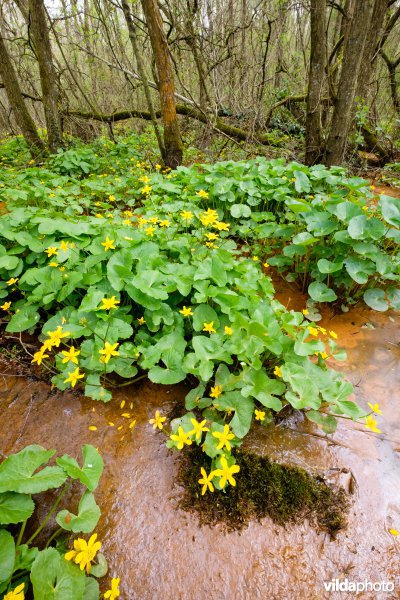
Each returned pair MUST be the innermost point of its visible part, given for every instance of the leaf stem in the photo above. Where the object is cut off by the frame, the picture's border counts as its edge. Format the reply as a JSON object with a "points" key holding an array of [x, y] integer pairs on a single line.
{"points": [[51, 512]]}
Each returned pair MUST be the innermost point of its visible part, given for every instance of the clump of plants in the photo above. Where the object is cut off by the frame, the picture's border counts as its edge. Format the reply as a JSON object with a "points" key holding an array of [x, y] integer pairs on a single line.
{"points": [[286, 494], [28, 566], [120, 283]]}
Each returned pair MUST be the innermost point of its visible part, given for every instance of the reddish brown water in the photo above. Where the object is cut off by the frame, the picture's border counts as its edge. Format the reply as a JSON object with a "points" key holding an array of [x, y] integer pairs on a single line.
{"points": [[160, 552]]}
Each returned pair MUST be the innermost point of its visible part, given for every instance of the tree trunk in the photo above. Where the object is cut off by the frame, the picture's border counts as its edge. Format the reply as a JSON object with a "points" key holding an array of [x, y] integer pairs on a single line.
{"points": [[14, 95], [316, 82], [140, 66], [48, 79], [172, 136], [344, 109], [372, 37]]}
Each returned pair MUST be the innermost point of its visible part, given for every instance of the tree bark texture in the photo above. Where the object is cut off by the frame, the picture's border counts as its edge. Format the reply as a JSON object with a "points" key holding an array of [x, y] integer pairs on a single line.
{"points": [[172, 137], [48, 79], [17, 103], [316, 82], [344, 109]]}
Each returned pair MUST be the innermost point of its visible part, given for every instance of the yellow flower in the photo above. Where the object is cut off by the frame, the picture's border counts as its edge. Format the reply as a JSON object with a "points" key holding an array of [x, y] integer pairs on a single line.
{"points": [[53, 264], [202, 194], [108, 351], [12, 281], [142, 221], [150, 231], [186, 215], [144, 179], [206, 481], [260, 415], [64, 246], [278, 372], [186, 312], [84, 552], [141, 321], [375, 408], [333, 335], [16, 594], [370, 423], [212, 236], [73, 377], [394, 532], [313, 331], [323, 355], [108, 244], [127, 213], [226, 473], [6, 305], [51, 251], [55, 337], [221, 226], [109, 303], [210, 245], [322, 330], [266, 265], [70, 355], [209, 327], [198, 428], [114, 592], [224, 437], [216, 391], [158, 420], [111, 198], [305, 311], [165, 223], [255, 258], [228, 330], [146, 189], [126, 222], [210, 216], [39, 356], [181, 438]]}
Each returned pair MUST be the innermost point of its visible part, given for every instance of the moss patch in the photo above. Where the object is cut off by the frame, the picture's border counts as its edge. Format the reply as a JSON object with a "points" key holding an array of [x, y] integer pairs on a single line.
{"points": [[264, 488]]}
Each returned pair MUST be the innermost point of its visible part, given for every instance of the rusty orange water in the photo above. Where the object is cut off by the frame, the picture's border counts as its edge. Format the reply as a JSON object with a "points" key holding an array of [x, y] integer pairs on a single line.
{"points": [[160, 552]]}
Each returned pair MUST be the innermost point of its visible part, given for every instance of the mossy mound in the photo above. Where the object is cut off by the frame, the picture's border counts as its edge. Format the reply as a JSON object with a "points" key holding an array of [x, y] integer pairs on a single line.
{"points": [[286, 494]]}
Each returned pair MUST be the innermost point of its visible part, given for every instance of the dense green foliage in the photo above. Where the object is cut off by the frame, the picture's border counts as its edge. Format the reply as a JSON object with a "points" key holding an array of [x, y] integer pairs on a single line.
{"points": [[23, 476], [128, 271]]}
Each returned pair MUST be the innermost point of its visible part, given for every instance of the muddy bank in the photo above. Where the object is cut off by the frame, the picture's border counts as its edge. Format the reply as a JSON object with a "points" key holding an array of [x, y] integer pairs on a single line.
{"points": [[160, 552]]}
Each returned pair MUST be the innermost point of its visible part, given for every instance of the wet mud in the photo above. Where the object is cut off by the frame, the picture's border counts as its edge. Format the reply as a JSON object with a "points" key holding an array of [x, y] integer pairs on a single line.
{"points": [[160, 552]]}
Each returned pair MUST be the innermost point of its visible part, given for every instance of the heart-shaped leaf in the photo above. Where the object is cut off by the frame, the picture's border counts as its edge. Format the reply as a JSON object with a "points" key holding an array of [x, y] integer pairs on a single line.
{"points": [[86, 519], [17, 472], [90, 473]]}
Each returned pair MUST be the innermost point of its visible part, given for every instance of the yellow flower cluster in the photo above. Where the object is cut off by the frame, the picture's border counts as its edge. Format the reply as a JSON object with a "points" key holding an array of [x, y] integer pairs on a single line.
{"points": [[84, 552], [225, 473]]}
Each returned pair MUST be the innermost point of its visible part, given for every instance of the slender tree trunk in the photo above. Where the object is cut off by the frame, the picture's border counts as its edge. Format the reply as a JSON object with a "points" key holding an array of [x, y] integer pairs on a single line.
{"points": [[344, 109], [172, 136], [316, 83], [372, 35], [16, 101], [48, 79], [142, 73]]}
